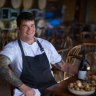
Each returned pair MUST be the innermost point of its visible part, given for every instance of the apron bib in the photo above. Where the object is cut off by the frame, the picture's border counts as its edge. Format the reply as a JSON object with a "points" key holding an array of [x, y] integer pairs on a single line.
{"points": [[36, 71]]}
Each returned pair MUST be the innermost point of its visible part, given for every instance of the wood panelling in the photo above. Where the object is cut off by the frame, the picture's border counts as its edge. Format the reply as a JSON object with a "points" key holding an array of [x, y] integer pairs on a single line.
{"points": [[92, 12], [69, 11], [82, 10]]}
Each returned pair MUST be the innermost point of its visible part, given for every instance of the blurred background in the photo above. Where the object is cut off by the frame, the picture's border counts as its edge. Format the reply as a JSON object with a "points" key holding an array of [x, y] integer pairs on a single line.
{"points": [[72, 20], [65, 23]]}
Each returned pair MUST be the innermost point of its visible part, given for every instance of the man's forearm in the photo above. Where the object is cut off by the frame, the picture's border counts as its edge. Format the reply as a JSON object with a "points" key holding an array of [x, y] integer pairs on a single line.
{"points": [[58, 65], [6, 72], [67, 67]]}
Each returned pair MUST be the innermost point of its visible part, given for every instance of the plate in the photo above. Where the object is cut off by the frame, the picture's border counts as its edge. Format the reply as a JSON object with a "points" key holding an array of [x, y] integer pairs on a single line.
{"points": [[81, 93]]}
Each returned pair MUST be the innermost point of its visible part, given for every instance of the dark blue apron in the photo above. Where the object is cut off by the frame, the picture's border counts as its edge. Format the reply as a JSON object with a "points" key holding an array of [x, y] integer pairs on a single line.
{"points": [[36, 71]]}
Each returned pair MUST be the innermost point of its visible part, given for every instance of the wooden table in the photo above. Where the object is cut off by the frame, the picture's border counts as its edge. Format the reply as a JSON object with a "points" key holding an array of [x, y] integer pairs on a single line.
{"points": [[61, 88]]}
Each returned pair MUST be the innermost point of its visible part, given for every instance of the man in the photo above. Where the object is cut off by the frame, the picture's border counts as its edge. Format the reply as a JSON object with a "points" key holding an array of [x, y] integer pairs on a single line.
{"points": [[30, 59]]}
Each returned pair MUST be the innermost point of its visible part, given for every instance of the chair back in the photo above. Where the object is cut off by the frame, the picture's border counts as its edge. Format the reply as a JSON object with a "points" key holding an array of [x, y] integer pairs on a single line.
{"points": [[73, 54], [58, 74], [90, 54]]}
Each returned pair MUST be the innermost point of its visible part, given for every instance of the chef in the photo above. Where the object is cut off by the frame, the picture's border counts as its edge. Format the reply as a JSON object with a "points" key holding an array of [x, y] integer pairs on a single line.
{"points": [[30, 59]]}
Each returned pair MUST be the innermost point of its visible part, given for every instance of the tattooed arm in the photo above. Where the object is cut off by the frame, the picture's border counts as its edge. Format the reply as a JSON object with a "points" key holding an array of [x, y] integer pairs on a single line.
{"points": [[6, 72], [8, 75], [67, 67]]}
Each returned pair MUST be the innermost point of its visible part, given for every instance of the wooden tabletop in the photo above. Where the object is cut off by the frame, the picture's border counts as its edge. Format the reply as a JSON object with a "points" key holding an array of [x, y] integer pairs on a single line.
{"points": [[61, 88]]}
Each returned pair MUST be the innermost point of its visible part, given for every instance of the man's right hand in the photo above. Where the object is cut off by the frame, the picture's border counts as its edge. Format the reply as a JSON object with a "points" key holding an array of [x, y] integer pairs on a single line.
{"points": [[27, 90]]}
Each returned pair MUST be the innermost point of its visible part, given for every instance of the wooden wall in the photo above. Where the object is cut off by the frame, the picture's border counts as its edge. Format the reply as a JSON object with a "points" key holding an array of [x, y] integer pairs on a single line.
{"points": [[92, 11], [82, 11], [70, 10]]}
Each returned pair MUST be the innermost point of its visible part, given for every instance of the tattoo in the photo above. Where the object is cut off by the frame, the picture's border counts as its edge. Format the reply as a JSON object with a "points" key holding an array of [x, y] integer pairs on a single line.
{"points": [[62, 61], [58, 65], [6, 72]]}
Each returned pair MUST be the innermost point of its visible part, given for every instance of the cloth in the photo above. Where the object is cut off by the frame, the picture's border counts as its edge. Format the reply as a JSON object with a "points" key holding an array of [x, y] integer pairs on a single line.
{"points": [[37, 93], [12, 50], [19, 93]]}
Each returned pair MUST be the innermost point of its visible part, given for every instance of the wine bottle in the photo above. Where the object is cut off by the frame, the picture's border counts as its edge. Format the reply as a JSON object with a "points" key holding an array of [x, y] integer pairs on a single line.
{"points": [[82, 70]]}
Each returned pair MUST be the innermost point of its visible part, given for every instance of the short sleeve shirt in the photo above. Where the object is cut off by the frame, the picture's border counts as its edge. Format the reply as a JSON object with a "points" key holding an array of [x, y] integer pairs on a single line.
{"points": [[13, 52]]}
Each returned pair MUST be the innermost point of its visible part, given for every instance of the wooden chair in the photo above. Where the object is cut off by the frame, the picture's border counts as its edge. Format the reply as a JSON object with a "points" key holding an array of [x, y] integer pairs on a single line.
{"points": [[90, 54], [58, 74], [73, 57], [66, 42], [73, 54], [85, 35], [91, 59], [12, 89]]}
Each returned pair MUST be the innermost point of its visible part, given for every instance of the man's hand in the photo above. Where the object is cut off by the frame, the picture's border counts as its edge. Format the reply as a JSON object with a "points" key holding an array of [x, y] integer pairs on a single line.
{"points": [[67, 67], [27, 90], [91, 75]]}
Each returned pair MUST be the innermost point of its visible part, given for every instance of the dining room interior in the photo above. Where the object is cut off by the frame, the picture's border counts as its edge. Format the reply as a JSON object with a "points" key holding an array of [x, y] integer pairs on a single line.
{"points": [[69, 25]]}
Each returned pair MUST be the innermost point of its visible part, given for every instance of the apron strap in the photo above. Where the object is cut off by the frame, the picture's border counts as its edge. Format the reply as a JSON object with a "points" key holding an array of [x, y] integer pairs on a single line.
{"points": [[19, 42], [41, 48]]}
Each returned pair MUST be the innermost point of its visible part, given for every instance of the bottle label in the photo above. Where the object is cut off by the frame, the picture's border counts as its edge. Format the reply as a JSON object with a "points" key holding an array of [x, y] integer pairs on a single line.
{"points": [[82, 75]]}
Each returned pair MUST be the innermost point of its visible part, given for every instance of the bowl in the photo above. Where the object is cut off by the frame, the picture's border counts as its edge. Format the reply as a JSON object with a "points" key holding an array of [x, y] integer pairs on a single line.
{"points": [[81, 93]]}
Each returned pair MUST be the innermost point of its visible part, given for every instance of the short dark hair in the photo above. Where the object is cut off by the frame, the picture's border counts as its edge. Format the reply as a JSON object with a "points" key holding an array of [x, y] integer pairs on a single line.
{"points": [[24, 16]]}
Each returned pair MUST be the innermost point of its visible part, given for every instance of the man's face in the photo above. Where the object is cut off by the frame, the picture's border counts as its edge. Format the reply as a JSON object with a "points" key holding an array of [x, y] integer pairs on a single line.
{"points": [[27, 30]]}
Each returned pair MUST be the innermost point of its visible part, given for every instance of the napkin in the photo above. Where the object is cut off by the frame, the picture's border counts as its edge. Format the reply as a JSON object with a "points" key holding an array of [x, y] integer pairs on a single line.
{"points": [[17, 92]]}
